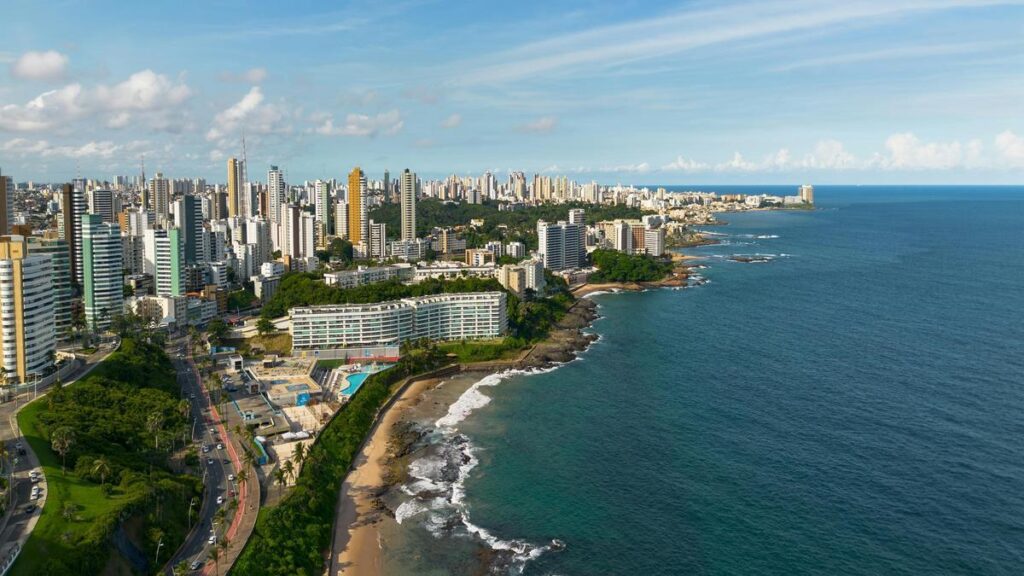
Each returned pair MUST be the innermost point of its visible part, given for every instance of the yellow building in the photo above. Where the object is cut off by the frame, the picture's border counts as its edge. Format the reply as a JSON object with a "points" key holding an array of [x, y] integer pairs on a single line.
{"points": [[356, 206], [28, 337], [233, 185]]}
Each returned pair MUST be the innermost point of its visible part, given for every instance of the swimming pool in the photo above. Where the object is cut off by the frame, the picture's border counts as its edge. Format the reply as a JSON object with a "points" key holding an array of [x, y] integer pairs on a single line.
{"points": [[354, 382]]}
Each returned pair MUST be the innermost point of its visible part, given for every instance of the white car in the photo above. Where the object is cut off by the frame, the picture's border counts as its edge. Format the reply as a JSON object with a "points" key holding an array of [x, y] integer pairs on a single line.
{"points": [[212, 540], [220, 446], [220, 500], [231, 477], [209, 461]]}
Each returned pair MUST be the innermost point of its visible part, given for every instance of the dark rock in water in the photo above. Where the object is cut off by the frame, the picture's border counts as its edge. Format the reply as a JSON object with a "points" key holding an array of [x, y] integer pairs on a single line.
{"points": [[750, 259], [557, 545]]}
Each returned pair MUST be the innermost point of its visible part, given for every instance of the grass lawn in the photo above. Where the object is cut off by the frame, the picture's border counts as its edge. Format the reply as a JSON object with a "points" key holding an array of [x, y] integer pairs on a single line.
{"points": [[481, 350], [332, 364], [52, 531]]}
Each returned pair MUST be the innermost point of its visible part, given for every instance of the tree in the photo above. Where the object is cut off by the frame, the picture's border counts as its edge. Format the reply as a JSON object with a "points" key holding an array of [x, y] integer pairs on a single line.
{"points": [[216, 330], [68, 512], [264, 326], [61, 440], [181, 569], [289, 469], [281, 476], [300, 453], [154, 423], [214, 555], [242, 477], [101, 466]]}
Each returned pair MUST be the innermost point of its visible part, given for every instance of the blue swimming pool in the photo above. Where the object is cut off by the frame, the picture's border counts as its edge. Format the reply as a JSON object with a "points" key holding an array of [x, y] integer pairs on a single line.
{"points": [[354, 382]]}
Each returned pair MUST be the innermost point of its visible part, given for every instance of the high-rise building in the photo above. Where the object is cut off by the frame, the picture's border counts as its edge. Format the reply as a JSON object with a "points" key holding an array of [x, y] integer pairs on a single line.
{"points": [[357, 223], [73, 209], [6, 205], [160, 194], [807, 193], [163, 259], [188, 217], [377, 240], [559, 245], [28, 338], [275, 194], [322, 204], [341, 219], [60, 258], [102, 287], [101, 203], [234, 185], [408, 194]]}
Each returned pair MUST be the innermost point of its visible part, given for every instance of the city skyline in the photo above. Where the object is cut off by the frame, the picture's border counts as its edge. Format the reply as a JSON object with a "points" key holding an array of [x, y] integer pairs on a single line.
{"points": [[663, 93]]}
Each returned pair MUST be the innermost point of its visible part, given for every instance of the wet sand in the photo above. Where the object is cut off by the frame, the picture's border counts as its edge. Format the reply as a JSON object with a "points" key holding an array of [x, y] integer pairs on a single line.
{"points": [[360, 544]]}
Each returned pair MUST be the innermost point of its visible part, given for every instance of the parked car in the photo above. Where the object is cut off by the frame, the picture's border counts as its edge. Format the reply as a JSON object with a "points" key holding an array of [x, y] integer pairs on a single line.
{"points": [[212, 540], [220, 446], [220, 500], [30, 508], [195, 565], [231, 477]]}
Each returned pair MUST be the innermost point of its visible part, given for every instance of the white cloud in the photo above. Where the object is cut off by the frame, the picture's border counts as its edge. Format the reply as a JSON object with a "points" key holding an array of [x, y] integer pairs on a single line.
{"points": [[829, 154], [146, 94], [452, 121], [907, 152], [683, 164], [104, 149], [641, 168], [540, 125], [1010, 148], [252, 114], [49, 65], [386, 123], [250, 76]]}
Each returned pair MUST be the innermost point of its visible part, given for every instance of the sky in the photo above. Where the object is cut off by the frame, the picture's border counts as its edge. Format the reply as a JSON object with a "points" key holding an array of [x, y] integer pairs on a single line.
{"points": [[859, 92]]}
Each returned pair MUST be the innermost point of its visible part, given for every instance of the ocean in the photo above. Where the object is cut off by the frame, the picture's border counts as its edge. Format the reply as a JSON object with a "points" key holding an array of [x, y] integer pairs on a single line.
{"points": [[852, 406]]}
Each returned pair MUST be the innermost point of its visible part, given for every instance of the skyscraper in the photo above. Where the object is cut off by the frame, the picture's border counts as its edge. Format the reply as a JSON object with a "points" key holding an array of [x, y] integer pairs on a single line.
{"points": [[275, 194], [234, 185], [101, 202], [559, 245], [188, 217], [73, 208], [322, 205], [6, 206], [60, 258], [357, 223], [160, 194], [28, 338], [164, 260], [408, 193], [102, 291]]}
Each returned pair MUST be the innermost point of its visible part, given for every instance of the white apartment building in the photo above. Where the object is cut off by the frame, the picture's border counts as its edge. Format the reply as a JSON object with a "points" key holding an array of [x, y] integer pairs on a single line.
{"points": [[441, 317], [28, 337], [559, 245], [102, 286]]}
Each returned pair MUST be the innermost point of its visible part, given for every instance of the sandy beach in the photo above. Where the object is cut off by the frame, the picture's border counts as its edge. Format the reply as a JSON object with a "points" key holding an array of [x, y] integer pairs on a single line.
{"points": [[358, 547]]}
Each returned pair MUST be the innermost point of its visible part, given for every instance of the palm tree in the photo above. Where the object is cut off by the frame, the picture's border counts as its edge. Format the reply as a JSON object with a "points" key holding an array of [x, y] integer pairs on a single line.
{"points": [[300, 453], [61, 440], [242, 477], [183, 407], [289, 469], [180, 569], [281, 477], [249, 459], [214, 555], [222, 547], [101, 466], [153, 423]]}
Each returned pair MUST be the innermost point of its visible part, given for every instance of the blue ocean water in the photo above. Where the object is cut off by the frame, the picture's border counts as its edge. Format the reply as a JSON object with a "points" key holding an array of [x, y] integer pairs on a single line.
{"points": [[855, 406]]}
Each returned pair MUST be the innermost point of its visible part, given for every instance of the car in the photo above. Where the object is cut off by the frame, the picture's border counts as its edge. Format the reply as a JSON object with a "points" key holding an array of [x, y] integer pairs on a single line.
{"points": [[192, 396], [30, 508], [17, 445], [205, 448], [220, 446], [21, 452], [213, 430], [212, 540], [231, 493], [209, 461], [220, 500], [231, 477], [34, 496], [195, 565]]}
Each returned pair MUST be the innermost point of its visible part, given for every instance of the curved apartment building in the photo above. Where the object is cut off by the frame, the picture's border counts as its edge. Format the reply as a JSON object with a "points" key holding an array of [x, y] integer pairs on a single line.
{"points": [[470, 315]]}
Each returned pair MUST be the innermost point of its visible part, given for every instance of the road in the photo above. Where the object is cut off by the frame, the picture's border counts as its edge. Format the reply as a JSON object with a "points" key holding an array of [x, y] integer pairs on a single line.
{"points": [[219, 464], [16, 524]]}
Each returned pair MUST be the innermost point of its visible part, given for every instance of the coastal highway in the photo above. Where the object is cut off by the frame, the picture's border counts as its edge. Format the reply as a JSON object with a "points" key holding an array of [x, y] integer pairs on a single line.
{"points": [[215, 463]]}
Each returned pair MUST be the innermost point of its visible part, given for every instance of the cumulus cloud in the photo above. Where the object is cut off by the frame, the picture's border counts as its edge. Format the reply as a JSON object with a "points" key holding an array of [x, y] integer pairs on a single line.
{"points": [[144, 94], [251, 113], [386, 123], [1010, 148], [452, 121], [49, 65], [104, 149], [901, 151], [640, 168], [250, 76], [541, 125]]}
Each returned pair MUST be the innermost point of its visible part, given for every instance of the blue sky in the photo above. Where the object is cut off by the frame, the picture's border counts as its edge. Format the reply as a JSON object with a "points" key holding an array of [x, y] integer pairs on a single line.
{"points": [[879, 91]]}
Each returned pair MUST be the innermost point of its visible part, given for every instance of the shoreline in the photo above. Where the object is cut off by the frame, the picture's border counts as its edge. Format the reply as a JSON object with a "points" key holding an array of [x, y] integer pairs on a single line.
{"points": [[358, 547]]}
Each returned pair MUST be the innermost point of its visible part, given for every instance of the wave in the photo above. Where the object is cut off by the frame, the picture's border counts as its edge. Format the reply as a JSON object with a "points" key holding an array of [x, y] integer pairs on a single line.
{"points": [[437, 489]]}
